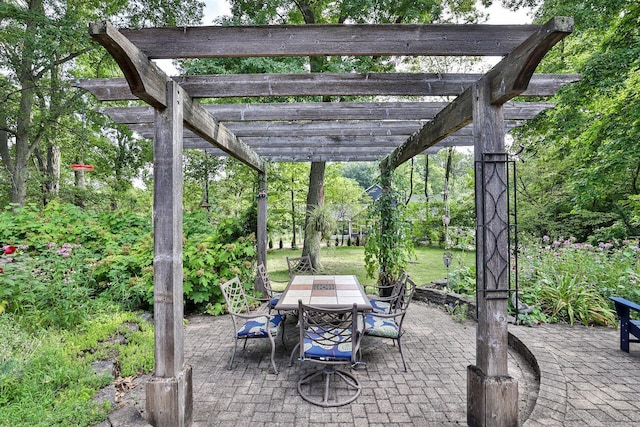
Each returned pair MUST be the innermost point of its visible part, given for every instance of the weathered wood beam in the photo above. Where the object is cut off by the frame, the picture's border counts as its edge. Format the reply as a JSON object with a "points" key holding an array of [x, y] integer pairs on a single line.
{"points": [[349, 84], [148, 83], [325, 111], [330, 40], [511, 76], [301, 156], [319, 84], [313, 137], [506, 79]]}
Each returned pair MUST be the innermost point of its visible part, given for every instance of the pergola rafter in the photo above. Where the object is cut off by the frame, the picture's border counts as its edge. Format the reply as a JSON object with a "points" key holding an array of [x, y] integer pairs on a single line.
{"points": [[395, 132]]}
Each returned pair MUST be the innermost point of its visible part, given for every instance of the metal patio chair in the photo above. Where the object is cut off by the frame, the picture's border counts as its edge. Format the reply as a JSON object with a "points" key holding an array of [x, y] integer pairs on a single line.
{"points": [[272, 297], [389, 325], [300, 265], [331, 338], [388, 295], [247, 324]]}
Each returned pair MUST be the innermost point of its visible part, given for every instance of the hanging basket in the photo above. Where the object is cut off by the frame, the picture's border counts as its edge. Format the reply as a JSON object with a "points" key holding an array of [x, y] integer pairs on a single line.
{"points": [[82, 167]]}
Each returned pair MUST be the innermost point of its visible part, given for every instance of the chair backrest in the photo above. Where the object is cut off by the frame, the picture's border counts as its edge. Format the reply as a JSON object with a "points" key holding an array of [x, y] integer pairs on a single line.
{"points": [[399, 285], [330, 334], [235, 296], [300, 265], [266, 281], [405, 297]]}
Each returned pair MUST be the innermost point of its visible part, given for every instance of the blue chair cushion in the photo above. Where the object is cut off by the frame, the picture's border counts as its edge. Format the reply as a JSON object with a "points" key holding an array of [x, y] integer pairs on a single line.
{"points": [[380, 306], [327, 350], [274, 301], [380, 327], [257, 328]]}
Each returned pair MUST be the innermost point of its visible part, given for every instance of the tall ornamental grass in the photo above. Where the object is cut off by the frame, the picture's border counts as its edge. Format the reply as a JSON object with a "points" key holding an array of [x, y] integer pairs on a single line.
{"points": [[570, 282]]}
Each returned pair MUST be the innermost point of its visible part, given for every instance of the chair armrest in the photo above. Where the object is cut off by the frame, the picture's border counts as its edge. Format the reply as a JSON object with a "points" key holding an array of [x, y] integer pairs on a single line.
{"points": [[624, 302], [388, 315], [251, 315]]}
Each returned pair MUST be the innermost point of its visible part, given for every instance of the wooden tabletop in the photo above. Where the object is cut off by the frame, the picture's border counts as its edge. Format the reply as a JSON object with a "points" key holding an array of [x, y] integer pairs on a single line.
{"points": [[324, 291]]}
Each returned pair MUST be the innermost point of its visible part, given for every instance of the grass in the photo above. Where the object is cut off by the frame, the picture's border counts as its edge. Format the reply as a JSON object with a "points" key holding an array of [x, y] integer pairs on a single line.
{"points": [[425, 268]]}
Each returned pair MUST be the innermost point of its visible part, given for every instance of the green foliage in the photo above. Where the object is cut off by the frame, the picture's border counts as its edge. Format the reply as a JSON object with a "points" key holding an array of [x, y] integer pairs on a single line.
{"points": [[321, 224], [580, 175], [45, 377], [571, 282], [52, 288], [388, 249], [208, 261], [462, 280], [457, 311]]}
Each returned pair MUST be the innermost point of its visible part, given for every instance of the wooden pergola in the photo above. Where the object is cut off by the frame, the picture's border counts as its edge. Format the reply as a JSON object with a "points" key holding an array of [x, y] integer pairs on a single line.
{"points": [[388, 132]]}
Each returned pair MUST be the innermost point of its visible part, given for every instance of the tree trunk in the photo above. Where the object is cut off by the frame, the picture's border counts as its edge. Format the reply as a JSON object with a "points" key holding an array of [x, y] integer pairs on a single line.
{"points": [[315, 198], [19, 174], [294, 244]]}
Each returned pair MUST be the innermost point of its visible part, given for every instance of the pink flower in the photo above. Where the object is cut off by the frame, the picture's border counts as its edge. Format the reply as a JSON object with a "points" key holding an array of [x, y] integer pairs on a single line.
{"points": [[9, 249]]}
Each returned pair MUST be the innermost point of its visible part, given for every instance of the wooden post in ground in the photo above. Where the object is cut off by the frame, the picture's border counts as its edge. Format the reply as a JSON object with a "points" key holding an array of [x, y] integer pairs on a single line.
{"points": [[492, 395], [169, 394], [261, 228]]}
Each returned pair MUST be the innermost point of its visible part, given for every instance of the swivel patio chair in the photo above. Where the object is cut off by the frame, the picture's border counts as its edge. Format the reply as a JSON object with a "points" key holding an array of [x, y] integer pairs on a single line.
{"points": [[387, 295], [248, 324], [329, 337], [300, 265], [389, 325]]}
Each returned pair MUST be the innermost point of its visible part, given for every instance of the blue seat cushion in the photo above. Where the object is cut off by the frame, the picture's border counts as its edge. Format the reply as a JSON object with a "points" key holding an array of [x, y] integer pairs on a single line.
{"points": [[380, 306], [274, 301], [380, 327], [256, 328], [329, 349]]}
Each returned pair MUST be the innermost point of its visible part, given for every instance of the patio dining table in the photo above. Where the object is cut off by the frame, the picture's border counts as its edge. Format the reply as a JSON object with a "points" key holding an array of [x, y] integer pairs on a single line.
{"points": [[325, 291]]}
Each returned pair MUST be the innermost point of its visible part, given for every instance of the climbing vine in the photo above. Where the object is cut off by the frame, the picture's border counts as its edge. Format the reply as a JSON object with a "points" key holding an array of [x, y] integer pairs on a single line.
{"points": [[388, 248]]}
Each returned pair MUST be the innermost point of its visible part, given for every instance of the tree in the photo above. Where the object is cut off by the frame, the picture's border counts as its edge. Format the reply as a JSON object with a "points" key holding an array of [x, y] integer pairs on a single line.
{"points": [[581, 170], [42, 46], [346, 11]]}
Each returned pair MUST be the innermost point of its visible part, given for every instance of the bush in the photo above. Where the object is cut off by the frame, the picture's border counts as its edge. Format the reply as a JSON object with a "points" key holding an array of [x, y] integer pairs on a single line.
{"points": [[571, 281]]}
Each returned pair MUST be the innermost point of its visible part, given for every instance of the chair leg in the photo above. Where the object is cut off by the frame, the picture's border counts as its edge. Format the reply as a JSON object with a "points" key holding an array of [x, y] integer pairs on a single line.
{"points": [[402, 355], [293, 353], [327, 374], [235, 347], [273, 354]]}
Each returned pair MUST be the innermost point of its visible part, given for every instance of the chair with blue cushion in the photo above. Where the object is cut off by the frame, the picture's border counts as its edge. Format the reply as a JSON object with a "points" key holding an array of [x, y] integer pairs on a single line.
{"points": [[387, 296], [389, 325], [331, 338], [272, 297], [248, 324]]}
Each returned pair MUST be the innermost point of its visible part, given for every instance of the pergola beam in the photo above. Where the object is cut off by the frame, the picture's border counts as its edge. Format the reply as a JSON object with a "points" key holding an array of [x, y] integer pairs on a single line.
{"points": [[148, 83], [321, 84], [330, 40], [507, 79], [324, 111]]}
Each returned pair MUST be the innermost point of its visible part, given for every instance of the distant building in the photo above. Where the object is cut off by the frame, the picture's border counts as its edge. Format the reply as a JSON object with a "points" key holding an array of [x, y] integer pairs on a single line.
{"points": [[375, 191]]}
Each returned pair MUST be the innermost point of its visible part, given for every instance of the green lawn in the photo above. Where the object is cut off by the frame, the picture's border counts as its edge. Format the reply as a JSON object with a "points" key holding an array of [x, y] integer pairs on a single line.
{"points": [[426, 267]]}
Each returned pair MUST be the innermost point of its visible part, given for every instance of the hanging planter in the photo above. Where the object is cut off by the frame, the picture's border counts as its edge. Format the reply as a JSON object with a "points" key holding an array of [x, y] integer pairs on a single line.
{"points": [[82, 167]]}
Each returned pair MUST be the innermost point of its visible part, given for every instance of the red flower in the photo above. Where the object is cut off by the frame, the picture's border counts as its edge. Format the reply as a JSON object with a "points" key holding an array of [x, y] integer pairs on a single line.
{"points": [[1, 270], [9, 249]]}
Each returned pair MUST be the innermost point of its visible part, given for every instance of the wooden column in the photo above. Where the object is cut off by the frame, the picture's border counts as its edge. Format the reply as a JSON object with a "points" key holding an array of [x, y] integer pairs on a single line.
{"points": [[492, 395], [261, 229], [169, 394]]}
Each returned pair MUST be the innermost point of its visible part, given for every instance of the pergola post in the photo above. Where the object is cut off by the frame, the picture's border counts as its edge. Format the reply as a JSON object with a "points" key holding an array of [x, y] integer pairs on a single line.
{"points": [[261, 227], [492, 395], [169, 394]]}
